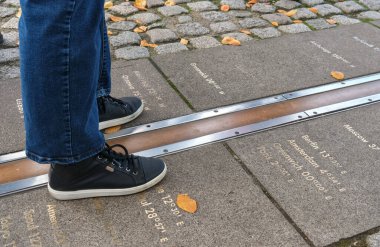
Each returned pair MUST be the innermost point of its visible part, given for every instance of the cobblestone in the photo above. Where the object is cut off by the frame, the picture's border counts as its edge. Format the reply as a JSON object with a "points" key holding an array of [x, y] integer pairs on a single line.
{"points": [[312, 2], [279, 18], [4, 12], [344, 20], [182, 1], [172, 10], [373, 15], [11, 24], [373, 240], [215, 16], [234, 4], [154, 3], [192, 29], [223, 27], [9, 72], [132, 52], [204, 42], [253, 22], [304, 13], [349, 7], [123, 9], [10, 39], [125, 38], [184, 19], [170, 48], [371, 4], [9, 55], [287, 4], [161, 35], [239, 14], [239, 36], [320, 24], [156, 25], [15, 3], [122, 26], [263, 8], [327, 9], [294, 28], [145, 18], [264, 33], [202, 6]]}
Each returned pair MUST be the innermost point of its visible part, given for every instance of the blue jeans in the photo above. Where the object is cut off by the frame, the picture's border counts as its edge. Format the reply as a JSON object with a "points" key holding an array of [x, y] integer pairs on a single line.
{"points": [[65, 65]]}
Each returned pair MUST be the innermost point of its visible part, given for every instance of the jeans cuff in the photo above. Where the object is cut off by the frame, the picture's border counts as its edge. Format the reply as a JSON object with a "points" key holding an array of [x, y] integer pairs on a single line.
{"points": [[103, 92]]}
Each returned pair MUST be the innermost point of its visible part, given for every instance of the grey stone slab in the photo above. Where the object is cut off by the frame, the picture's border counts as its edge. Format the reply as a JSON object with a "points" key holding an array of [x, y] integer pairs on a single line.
{"points": [[170, 48], [223, 27], [202, 6], [304, 13], [125, 38], [376, 23], [9, 55], [349, 7], [239, 36], [263, 8], [161, 35], [327, 9], [265, 33], [320, 24], [9, 72], [312, 2], [344, 20], [294, 28], [192, 29], [287, 4], [204, 42], [122, 26], [10, 39], [11, 24], [184, 19], [4, 12], [154, 3], [228, 75], [131, 53], [371, 4], [373, 240], [324, 172], [372, 15], [279, 18], [239, 14], [15, 3], [232, 211], [145, 18], [253, 22], [124, 9], [215, 16], [172, 10], [157, 25], [234, 4]]}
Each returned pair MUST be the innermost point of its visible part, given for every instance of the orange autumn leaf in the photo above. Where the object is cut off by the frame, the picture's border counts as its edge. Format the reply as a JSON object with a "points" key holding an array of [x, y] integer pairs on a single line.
{"points": [[337, 75], [331, 21], [108, 4], [169, 3], [140, 4], [291, 12], [230, 41], [140, 29], [112, 129], [274, 23], [252, 2], [281, 11], [145, 43], [137, 21], [186, 203], [184, 41], [297, 21], [116, 18], [109, 32], [225, 8], [245, 31], [19, 13], [314, 10]]}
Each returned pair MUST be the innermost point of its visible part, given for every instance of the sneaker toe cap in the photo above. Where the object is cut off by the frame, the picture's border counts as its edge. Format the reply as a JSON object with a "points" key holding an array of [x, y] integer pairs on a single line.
{"points": [[134, 102], [153, 168]]}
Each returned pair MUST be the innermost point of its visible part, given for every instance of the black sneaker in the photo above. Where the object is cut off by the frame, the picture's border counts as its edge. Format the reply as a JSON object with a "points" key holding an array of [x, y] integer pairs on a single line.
{"points": [[107, 174], [113, 112]]}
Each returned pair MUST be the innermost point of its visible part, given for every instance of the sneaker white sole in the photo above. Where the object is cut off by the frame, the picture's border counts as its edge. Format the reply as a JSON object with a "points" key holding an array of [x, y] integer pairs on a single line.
{"points": [[120, 121], [80, 194]]}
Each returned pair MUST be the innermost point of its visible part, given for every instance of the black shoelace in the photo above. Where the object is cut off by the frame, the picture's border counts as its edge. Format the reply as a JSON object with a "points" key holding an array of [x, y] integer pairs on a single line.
{"points": [[102, 102], [122, 161]]}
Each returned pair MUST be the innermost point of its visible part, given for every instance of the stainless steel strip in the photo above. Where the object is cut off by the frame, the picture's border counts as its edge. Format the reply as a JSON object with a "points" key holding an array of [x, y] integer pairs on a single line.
{"points": [[22, 185], [332, 86], [12, 157]]}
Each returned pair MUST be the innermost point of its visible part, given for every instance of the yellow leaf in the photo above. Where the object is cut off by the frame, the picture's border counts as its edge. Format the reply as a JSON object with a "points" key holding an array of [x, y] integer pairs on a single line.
{"points": [[314, 10], [116, 18], [112, 129], [169, 3], [186, 203], [140, 4], [252, 2], [109, 32], [291, 12], [274, 23], [246, 31], [281, 11], [145, 43], [184, 41], [337, 75], [19, 13], [108, 4], [331, 21], [230, 41], [140, 29], [297, 21], [140, 8], [225, 8]]}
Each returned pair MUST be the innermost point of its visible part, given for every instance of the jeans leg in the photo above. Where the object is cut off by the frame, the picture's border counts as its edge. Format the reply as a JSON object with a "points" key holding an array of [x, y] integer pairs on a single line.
{"points": [[104, 84], [60, 47]]}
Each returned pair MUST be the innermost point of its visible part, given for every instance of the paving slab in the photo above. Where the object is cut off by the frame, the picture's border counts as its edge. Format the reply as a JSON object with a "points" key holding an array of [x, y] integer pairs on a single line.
{"points": [[324, 172], [226, 75], [232, 211], [137, 78]]}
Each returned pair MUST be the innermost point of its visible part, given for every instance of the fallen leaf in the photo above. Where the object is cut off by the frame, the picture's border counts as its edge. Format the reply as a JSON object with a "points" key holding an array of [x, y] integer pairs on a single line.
{"points": [[245, 31], [314, 10], [225, 8], [109, 32], [281, 11], [252, 1], [274, 23], [116, 18], [112, 130], [137, 21], [108, 4], [140, 4], [19, 13], [291, 12], [140, 29], [184, 41], [186, 203], [145, 43], [331, 21], [337, 75], [169, 3], [297, 21], [230, 41]]}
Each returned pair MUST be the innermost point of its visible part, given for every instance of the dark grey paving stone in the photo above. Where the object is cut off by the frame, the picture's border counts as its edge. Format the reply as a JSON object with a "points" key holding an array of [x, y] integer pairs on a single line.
{"points": [[234, 4], [323, 172], [304, 13], [239, 36], [327, 9], [263, 8], [344, 20], [170, 48], [371, 4], [9, 55], [145, 18], [294, 28], [312, 2], [202, 6], [132, 53], [123, 25], [9, 72], [279, 18], [204, 42], [191, 29], [215, 16], [287, 4], [137, 78], [372, 15], [319, 24], [349, 7], [232, 211], [253, 22], [225, 75], [123, 9], [125, 38], [161, 35], [266, 33], [172, 10]]}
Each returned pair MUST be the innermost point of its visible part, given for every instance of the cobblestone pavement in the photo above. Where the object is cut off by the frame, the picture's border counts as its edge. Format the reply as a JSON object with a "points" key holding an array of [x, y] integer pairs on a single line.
{"points": [[201, 23]]}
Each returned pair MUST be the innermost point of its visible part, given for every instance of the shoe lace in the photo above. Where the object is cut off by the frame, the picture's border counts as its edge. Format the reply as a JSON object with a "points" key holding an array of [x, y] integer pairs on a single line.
{"points": [[124, 161], [102, 102]]}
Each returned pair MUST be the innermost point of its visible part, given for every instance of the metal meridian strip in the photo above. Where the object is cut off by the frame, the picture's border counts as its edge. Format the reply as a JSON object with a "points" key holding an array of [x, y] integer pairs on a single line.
{"points": [[22, 185]]}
